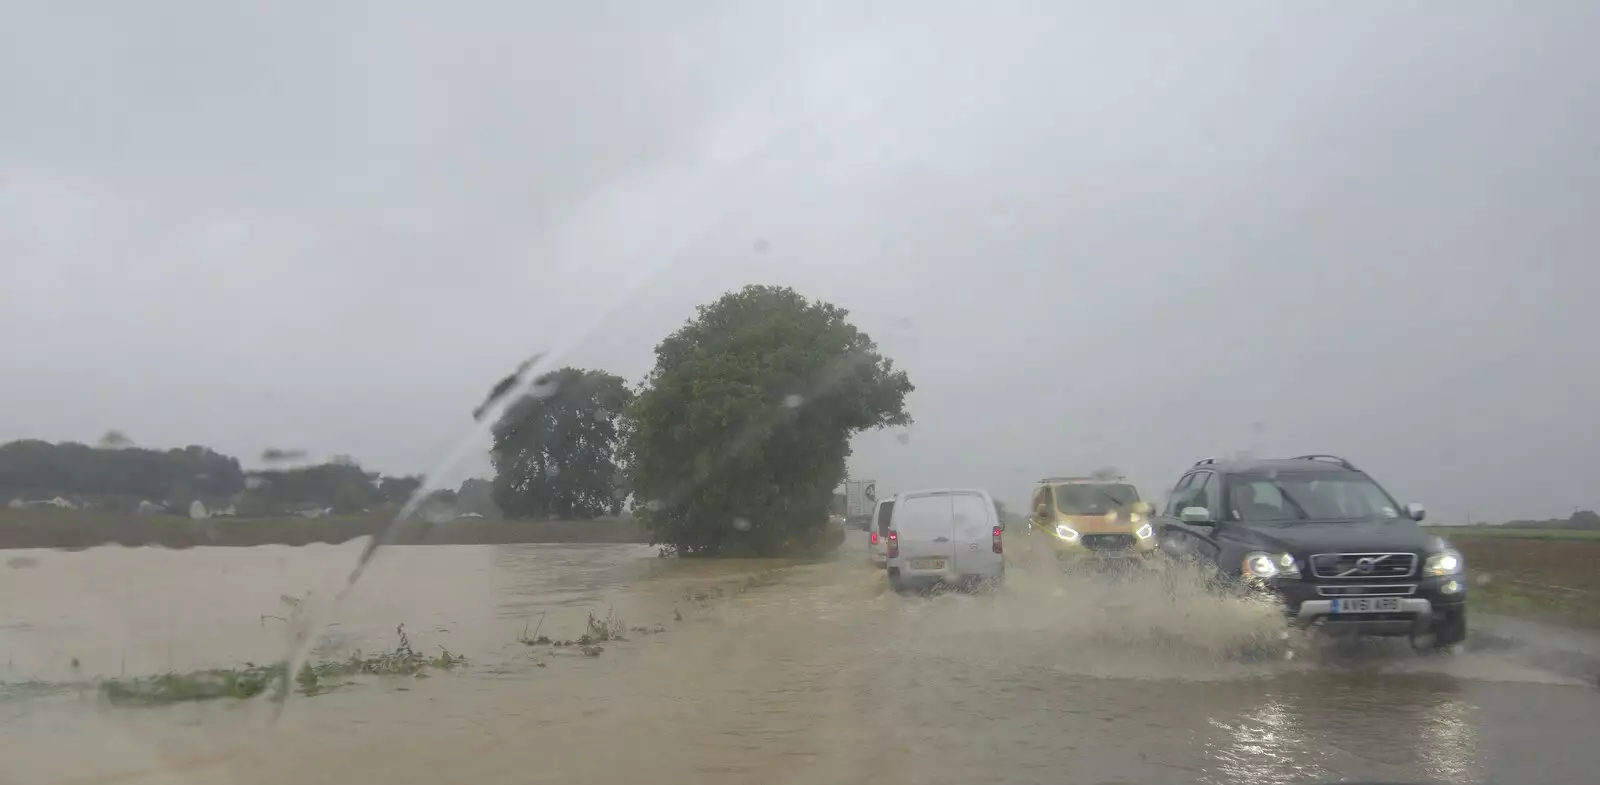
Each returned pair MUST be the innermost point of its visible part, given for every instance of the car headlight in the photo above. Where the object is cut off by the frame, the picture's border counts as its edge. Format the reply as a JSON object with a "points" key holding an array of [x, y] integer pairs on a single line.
{"points": [[1067, 533], [1260, 564], [1145, 532], [1445, 562]]}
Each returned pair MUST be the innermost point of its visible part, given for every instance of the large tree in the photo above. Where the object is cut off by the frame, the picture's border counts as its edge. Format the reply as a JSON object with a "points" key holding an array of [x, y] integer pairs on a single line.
{"points": [[741, 435], [555, 450]]}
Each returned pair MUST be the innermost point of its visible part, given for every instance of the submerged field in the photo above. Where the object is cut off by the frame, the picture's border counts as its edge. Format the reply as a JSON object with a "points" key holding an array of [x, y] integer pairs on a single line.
{"points": [[71, 529], [1504, 533], [1544, 573]]}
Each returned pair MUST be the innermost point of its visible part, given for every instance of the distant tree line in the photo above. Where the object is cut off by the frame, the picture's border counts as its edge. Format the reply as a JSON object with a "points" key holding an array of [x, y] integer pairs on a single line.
{"points": [[734, 444], [33, 469], [1580, 519], [116, 475]]}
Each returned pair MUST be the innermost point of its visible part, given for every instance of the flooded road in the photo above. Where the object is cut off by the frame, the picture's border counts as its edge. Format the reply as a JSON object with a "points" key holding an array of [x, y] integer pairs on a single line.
{"points": [[764, 673]]}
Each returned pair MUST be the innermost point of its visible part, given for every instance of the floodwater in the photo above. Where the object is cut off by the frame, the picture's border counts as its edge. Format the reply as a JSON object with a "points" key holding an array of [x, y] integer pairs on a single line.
{"points": [[764, 673]]}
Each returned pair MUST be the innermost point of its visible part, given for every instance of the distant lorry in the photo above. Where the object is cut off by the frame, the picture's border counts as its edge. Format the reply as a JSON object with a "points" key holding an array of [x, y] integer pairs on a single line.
{"points": [[860, 497]]}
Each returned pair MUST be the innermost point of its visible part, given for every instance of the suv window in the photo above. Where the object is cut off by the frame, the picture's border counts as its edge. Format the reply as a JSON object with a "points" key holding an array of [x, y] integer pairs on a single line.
{"points": [[1200, 491], [1176, 498], [1316, 496], [885, 513], [1194, 490]]}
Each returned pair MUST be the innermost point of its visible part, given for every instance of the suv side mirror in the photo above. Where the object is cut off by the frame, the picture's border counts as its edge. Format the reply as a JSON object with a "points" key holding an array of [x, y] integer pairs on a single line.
{"points": [[1195, 515], [1038, 512], [1415, 511]]}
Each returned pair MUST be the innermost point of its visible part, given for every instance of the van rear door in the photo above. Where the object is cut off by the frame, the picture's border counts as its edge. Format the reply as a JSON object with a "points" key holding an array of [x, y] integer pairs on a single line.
{"points": [[926, 534], [973, 520]]}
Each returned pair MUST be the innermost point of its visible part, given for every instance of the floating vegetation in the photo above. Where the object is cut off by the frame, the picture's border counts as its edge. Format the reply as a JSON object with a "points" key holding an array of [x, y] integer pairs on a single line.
{"points": [[253, 680]]}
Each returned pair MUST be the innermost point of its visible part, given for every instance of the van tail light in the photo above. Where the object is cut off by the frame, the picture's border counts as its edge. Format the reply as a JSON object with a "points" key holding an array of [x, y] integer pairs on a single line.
{"points": [[874, 539], [997, 548], [894, 544]]}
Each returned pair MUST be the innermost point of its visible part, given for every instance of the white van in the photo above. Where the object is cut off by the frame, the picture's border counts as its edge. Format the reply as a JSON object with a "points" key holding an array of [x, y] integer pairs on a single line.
{"points": [[878, 533], [949, 536]]}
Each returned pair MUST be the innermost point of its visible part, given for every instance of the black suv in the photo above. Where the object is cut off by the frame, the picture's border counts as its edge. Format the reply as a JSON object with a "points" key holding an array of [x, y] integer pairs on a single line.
{"points": [[1327, 539]]}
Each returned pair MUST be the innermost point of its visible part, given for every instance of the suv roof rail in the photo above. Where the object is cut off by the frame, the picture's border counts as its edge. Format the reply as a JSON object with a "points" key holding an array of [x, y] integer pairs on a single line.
{"points": [[1333, 458], [1205, 461], [1118, 478]]}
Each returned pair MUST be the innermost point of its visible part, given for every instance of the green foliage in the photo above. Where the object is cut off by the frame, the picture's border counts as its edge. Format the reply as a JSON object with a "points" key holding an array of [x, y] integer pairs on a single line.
{"points": [[555, 449], [343, 485], [398, 490], [741, 435], [32, 469], [476, 495]]}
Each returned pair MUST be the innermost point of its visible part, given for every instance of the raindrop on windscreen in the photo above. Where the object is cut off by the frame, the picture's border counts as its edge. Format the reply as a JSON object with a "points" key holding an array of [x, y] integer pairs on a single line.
{"points": [[793, 401], [654, 505], [553, 471], [741, 524], [903, 438]]}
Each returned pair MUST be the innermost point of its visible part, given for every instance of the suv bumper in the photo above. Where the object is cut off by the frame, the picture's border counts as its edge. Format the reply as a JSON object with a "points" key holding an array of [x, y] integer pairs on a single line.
{"points": [[1415, 615], [1421, 610]]}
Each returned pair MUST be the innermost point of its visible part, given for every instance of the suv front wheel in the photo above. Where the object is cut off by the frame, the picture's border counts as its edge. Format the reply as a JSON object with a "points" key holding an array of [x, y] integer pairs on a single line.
{"points": [[1447, 633]]}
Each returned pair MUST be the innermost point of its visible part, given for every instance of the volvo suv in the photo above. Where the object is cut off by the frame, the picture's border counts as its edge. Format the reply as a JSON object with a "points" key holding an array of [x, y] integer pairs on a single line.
{"points": [[1325, 538]]}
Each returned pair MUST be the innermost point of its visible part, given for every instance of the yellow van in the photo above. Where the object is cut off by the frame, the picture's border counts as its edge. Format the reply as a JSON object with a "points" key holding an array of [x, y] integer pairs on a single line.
{"points": [[1091, 517]]}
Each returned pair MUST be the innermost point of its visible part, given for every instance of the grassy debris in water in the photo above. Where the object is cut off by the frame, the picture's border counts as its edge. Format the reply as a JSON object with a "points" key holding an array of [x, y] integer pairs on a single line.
{"points": [[253, 680], [599, 630]]}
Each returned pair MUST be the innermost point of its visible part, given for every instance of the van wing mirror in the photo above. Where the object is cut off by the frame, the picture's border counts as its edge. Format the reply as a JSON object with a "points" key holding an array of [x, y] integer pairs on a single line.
{"points": [[1038, 512], [1195, 515]]}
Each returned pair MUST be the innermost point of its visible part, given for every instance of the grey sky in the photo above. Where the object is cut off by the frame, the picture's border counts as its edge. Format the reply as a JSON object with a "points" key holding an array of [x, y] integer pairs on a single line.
{"points": [[1092, 236]]}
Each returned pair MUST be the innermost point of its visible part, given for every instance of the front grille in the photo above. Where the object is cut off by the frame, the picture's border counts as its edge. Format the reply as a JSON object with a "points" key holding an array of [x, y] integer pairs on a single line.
{"points": [[1390, 590], [1358, 566], [1107, 542]]}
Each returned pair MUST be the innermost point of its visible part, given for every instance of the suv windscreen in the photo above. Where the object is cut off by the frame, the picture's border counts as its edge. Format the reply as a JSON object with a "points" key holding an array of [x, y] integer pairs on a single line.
{"points": [[1307, 496], [1094, 499]]}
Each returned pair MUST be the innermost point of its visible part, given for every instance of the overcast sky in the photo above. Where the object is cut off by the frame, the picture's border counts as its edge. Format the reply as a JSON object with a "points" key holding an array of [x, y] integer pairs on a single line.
{"points": [[1092, 234]]}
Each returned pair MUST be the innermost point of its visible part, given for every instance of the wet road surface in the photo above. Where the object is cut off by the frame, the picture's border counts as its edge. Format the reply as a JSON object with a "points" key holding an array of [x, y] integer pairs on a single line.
{"points": [[807, 673]]}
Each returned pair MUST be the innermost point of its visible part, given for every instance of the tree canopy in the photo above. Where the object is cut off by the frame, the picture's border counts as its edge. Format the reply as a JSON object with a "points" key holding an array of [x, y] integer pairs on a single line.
{"points": [[740, 437], [33, 469], [115, 475], [555, 449]]}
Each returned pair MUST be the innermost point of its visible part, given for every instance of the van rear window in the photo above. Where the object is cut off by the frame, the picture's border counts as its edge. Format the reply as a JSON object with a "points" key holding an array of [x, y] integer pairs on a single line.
{"points": [[885, 514], [941, 512]]}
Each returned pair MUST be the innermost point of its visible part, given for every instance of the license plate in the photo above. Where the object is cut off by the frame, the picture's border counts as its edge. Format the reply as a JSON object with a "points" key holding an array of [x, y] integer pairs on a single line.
{"points": [[1366, 605], [927, 564]]}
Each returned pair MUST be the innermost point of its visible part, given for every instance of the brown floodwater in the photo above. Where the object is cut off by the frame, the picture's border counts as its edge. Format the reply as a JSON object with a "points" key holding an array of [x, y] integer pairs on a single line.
{"points": [[764, 673]]}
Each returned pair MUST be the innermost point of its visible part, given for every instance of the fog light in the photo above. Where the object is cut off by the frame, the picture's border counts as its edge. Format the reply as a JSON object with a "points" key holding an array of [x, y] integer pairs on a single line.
{"points": [[1450, 587]]}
